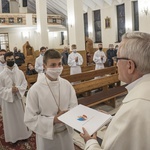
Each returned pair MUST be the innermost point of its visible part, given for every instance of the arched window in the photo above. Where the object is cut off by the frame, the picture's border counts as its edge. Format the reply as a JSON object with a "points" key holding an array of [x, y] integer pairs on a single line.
{"points": [[120, 21], [97, 26]]}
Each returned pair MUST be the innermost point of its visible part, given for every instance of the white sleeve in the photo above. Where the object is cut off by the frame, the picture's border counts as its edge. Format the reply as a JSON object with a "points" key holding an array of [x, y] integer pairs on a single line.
{"points": [[97, 59], [80, 60], [73, 98], [38, 68], [23, 86], [34, 120], [5, 92], [71, 61], [92, 145], [104, 58]]}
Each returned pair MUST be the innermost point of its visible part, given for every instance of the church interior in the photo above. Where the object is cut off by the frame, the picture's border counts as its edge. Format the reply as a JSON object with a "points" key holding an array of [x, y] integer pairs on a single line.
{"points": [[29, 25]]}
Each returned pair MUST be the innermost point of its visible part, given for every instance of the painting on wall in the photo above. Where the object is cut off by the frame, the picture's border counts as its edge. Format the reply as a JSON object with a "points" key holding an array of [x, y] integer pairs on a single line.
{"points": [[107, 22]]}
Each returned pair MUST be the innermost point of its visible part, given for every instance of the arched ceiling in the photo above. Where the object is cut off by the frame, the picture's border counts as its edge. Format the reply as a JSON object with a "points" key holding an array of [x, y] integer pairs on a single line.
{"points": [[60, 6]]}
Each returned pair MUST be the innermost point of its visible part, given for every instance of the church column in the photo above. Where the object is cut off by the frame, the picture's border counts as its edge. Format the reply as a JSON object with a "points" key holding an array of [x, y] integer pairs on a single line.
{"points": [[41, 12], [75, 23], [23, 6], [14, 6]]}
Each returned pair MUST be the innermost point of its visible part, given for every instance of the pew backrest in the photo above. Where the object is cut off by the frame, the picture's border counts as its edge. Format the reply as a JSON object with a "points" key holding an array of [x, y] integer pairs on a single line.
{"points": [[88, 75]]}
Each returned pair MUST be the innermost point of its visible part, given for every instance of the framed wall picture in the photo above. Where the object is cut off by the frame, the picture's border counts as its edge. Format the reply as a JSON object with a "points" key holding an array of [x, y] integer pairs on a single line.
{"points": [[11, 20], [107, 22], [19, 20], [2, 20]]}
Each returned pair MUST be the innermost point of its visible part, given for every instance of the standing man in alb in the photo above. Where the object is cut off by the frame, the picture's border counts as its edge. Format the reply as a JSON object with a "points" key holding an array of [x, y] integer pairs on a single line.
{"points": [[39, 60], [99, 58], [12, 88], [75, 61], [47, 99]]}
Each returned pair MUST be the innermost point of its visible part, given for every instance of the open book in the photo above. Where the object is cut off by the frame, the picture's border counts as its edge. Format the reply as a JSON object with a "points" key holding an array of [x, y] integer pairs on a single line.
{"points": [[82, 116]]}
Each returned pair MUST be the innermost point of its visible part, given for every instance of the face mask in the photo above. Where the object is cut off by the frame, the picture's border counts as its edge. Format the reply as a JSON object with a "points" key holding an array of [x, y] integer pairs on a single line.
{"points": [[10, 63], [42, 54], [2, 59], [74, 50], [54, 72]]}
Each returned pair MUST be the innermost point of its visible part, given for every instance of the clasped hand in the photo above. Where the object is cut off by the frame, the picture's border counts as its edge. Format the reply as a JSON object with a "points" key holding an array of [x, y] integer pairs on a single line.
{"points": [[59, 114], [14, 89]]}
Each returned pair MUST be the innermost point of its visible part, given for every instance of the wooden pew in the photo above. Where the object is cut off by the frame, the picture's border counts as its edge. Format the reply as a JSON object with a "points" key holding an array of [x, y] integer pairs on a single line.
{"points": [[88, 75], [31, 79], [66, 70], [23, 67], [102, 96]]}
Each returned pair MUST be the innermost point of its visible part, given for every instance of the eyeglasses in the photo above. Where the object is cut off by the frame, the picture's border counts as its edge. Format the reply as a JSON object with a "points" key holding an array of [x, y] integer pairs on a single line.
{"points": [[123, 58]]}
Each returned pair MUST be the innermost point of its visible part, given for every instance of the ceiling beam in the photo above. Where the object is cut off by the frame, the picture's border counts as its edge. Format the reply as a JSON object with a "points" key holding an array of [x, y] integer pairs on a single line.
{"points": [[57, 7], [61, 4], [85, 8], [109, 2], [90, 4], [119, 1], [100, 3]]}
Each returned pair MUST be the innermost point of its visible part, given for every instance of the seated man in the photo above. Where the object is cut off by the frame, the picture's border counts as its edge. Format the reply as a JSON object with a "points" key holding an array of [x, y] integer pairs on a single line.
{"points": [[30, 69]]}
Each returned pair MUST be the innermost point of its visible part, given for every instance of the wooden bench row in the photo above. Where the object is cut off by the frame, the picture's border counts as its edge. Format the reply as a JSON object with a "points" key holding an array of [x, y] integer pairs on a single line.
{"points": [[88, 75], [66, 70], [107, 94], [89, 83]]}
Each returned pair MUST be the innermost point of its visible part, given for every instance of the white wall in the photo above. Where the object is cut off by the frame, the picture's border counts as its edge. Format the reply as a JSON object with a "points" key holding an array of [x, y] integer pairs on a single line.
{"points": [[17, 37], [144, 20], [109, 35]]}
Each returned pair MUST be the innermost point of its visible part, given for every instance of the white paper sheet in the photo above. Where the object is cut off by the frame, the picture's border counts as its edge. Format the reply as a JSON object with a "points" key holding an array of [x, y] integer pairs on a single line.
{"points": [[82, 116]]}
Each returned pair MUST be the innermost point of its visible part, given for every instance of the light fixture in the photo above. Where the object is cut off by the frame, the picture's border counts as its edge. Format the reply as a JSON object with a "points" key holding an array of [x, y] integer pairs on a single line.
{"points": [[143, 6], [25, 34], [145, 10]]}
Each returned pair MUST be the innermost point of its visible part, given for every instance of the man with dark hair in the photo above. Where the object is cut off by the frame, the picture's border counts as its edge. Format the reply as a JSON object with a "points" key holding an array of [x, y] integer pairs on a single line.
{"points": [[43, 108], [12, 88], [99, 58], [39, 60], [2, 61], [19, 57]]}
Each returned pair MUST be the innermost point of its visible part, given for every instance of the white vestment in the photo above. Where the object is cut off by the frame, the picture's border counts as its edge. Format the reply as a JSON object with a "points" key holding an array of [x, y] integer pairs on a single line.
{"points": [[1, 69], [2, 66], [98, 60], [75, 67], [130, 128], [41, 109], [12, 106], [39, 64]]}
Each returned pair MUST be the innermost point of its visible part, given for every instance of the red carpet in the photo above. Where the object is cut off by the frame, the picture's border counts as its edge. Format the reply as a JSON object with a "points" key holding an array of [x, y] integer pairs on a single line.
{"points": [[20, 145]]}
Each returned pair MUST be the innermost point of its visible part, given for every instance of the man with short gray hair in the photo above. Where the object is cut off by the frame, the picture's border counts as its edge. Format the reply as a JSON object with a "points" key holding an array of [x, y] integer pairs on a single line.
{"points": [[130, 127]]}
